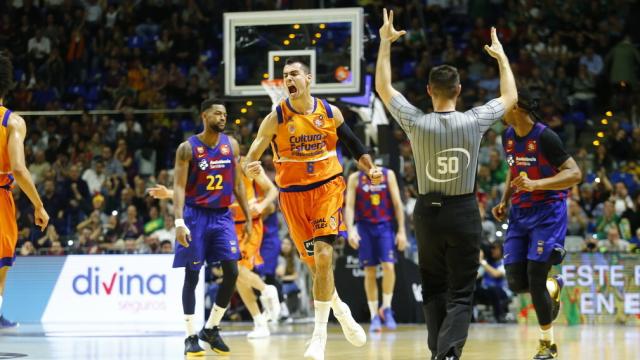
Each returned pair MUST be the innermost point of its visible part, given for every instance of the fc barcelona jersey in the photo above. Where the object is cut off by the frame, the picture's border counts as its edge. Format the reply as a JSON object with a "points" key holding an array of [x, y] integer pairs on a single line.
{"points": [[527, 156], [211, 174], [373, 202]]}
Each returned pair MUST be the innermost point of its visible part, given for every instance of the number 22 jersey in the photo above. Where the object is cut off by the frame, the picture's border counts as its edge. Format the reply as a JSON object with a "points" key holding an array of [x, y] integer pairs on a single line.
{"points": [[211, 174]]}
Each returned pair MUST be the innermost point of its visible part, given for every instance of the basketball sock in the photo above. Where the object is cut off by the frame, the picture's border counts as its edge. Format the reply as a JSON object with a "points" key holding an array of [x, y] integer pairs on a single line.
{"points": [[188, 320], [386, 300], [322, 309], [259, 319], [336, 304], [373, 308], [547, 335], [215, 317]]}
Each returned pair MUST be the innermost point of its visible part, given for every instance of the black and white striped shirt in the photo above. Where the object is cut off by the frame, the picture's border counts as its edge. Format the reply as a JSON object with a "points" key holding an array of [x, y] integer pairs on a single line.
{"points": [[445, 144]]}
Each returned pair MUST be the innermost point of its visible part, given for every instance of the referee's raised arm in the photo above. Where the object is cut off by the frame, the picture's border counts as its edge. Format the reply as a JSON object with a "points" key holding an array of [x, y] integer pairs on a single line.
{"points": [[489, 113], [403, 111]]}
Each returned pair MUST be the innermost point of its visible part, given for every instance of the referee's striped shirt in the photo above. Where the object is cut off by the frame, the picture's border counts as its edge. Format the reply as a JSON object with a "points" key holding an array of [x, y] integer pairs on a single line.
{"points": [[445, 144]]}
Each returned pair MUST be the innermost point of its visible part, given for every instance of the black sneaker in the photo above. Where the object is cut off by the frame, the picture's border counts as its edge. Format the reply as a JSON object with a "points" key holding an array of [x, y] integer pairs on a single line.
{"points": [[554, 286], [191, 346], [546, 350], [213, 338]]}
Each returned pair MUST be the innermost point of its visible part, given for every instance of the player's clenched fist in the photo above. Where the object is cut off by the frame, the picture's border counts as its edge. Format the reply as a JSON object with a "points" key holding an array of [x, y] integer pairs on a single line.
{"points": [[500, 212], [252, 169]]}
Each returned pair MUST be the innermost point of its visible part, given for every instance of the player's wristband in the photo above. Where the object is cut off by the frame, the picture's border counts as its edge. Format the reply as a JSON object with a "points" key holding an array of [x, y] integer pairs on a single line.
{"points": [[180, 223]]}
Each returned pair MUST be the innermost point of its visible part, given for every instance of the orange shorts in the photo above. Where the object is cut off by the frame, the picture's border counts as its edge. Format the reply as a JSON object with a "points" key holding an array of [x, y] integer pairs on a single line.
{"points": [[250, 250], [8, 228], [313, 213]]}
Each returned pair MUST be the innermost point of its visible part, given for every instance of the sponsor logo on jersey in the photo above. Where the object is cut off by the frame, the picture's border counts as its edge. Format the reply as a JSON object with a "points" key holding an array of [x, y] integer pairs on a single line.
{"points": [[532, 146], [510, 160], [510, 144], [319, 121], [203, 165], [291, 128], [225, 149], [200, 152]]}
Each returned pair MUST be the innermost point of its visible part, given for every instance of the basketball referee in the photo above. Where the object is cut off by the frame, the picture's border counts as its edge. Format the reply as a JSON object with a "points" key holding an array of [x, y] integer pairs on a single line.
{"points": [[445, 146]]}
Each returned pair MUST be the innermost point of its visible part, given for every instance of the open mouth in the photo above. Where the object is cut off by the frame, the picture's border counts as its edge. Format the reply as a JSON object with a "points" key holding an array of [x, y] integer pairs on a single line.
{"points": [[292, 89]]}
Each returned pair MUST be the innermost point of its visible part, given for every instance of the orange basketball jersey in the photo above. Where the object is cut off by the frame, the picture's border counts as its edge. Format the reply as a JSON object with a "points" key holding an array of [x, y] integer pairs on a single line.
{"points": [[305, 145], [6, 178]]}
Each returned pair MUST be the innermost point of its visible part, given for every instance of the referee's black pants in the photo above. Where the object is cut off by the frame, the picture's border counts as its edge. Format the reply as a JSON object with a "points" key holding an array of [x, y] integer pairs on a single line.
{"points": [[448, 232]]}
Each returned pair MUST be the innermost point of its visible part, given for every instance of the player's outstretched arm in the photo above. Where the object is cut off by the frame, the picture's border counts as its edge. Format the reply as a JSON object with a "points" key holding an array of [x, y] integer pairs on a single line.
{"points": [[349, 211], [401, 235], [383, 65], [355, 147], [251, 163], [160, 192], [17, 133], [508, 90]]}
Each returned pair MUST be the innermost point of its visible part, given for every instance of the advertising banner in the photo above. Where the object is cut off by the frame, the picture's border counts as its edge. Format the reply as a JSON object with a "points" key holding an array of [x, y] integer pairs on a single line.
{"points": [[97, 289]]}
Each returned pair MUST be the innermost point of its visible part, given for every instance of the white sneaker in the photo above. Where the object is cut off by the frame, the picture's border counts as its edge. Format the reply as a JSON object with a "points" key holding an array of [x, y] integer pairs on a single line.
{"points": [[260, 330], [271, 302], [354, 333], [315, 350]]}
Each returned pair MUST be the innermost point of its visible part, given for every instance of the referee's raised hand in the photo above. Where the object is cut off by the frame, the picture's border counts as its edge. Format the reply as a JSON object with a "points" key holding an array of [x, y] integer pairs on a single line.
{"points": [[495, 50], [387, 32]]}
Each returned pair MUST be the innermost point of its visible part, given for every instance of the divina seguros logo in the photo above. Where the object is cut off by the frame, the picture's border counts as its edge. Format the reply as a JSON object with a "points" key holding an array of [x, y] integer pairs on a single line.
{"points": [[92, 282]]}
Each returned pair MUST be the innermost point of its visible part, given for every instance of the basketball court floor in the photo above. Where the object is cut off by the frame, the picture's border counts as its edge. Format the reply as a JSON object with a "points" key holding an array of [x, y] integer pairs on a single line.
{"points": [[486, 341]]}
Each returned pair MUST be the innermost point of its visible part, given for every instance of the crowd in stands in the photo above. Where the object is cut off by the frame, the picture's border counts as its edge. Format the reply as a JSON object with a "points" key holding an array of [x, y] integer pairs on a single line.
{"points": [[92, 170]]}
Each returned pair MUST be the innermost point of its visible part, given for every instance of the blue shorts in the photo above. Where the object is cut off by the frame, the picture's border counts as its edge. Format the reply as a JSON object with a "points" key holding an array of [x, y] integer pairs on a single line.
{"points": [[377, 243], [269, 250], [213, 238], [534, 232]]}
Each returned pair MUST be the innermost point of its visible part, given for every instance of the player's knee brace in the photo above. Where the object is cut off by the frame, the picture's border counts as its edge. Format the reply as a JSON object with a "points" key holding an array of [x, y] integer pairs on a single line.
{"points": [[191, 279], [189, 290], [229, 277], [538, 272], [517, 277], [557, 255], [229, 272]]}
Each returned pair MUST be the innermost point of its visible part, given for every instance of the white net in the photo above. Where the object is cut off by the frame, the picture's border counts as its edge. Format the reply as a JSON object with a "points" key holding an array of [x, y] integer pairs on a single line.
{"points": [[275, 89]]}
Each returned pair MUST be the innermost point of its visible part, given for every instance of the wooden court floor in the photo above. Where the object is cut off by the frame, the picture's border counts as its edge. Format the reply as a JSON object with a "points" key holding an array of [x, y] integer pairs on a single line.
{"points": [[86, 341]]}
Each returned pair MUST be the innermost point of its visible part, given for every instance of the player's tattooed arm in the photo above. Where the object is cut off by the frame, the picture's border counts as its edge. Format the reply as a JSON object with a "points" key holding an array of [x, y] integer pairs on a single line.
{"points": [[181, 171], [568, 175]]}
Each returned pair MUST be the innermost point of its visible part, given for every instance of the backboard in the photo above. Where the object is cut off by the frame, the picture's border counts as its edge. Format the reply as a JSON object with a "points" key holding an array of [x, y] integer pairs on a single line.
{"points": [[256, 45]]}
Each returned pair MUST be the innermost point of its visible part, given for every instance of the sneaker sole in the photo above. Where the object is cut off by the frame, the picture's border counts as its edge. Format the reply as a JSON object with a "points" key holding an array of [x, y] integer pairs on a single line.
{"points": [[221, 352], [196, 354]]}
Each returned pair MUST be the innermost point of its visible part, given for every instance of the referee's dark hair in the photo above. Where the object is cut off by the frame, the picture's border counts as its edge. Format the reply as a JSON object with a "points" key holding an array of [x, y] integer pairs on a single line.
{"points": [[208, 103], [444, 81], [297, 60], [6, 75]]}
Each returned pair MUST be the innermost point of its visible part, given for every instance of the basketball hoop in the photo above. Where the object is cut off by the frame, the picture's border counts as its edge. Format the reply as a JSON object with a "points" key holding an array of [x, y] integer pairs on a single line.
{"points": [[275, 89]]}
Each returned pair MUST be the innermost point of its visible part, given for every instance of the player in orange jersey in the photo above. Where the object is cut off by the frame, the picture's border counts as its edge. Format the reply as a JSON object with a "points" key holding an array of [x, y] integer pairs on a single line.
{"points": [[250, 250], [12, 168], [303, 132]]}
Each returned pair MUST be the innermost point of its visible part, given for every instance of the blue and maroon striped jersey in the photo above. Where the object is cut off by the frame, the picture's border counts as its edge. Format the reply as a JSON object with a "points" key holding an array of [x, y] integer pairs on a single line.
{"points": [[211, 174], [373, 202], [525, 155]]}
